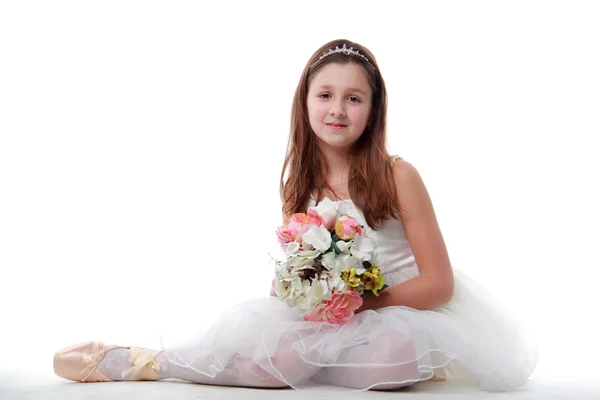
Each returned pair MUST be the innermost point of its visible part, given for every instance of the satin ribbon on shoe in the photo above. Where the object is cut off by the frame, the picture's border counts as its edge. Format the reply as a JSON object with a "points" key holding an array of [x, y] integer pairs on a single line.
{"points": [[144, 366]]}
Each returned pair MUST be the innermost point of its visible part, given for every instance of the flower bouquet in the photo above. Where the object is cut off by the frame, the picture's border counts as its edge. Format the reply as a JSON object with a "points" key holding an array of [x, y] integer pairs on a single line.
{"points": [[329, 264]]}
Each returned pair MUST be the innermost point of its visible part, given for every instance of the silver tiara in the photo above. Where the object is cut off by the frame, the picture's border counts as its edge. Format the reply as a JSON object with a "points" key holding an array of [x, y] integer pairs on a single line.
{"points": [[344, 50]]}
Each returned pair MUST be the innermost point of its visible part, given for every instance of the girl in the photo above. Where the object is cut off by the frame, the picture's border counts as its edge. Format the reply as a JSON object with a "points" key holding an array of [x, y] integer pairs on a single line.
{"points": [[432, 322]]}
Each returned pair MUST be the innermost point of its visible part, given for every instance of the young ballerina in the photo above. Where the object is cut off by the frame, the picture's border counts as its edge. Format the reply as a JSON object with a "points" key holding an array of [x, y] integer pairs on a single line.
{"points": [[431, 323]]}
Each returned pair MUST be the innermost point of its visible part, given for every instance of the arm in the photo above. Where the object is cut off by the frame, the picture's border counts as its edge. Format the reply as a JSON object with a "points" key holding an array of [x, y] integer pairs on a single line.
{"points": [[435, 284]]}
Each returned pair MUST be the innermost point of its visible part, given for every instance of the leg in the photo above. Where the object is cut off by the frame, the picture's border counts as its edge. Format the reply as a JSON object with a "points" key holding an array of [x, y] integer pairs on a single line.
{"points": [[386, 350], [97, 362], [240, 371], [284, 369]]}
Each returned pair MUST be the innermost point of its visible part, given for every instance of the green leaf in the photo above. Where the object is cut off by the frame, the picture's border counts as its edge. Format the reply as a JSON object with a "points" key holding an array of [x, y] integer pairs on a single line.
{"points": [[335, 248]]}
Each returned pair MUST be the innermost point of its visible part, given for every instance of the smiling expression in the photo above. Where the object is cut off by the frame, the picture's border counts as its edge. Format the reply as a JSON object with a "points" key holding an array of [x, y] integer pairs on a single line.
{"points": [[339, 105]]}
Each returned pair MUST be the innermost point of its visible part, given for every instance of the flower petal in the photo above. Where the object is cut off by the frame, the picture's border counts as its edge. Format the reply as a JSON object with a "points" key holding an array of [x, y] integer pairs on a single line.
{"points": [[318, 237]]}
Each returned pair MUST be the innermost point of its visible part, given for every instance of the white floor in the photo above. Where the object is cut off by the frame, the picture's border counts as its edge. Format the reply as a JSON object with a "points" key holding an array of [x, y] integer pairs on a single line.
{"points": [[17, 385]]}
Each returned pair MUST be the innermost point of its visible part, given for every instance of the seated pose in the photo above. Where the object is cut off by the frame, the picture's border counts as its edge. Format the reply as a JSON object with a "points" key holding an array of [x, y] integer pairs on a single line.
{"points": [[431, 322]]}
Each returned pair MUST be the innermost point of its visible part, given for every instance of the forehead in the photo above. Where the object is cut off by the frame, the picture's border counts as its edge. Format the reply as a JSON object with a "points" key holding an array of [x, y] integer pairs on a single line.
{"points": [[341, 76]]}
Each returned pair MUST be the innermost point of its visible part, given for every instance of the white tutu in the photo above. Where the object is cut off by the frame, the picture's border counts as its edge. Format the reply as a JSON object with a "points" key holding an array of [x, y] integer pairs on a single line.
{"points": [[472, 338]]}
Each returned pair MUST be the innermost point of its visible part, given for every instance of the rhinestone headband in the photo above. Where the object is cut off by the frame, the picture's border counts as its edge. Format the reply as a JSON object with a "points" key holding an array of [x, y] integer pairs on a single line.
{"points": [[344, 50]]}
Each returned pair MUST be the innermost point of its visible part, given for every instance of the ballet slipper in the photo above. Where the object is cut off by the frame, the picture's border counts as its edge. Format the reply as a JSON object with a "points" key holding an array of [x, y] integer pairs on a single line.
{"points": [[80, 363]]}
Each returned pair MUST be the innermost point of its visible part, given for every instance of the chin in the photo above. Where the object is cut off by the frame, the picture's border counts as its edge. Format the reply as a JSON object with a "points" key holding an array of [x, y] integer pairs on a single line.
{"points": [[339, 141], [334, 145]]}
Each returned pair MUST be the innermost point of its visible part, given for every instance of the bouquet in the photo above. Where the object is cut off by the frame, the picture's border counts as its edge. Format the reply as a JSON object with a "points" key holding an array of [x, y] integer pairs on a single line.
{"points": [[329, 264]]}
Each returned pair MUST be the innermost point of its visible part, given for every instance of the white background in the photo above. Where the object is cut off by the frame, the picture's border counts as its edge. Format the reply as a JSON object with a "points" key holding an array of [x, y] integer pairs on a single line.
{"points": [[141, 145]]}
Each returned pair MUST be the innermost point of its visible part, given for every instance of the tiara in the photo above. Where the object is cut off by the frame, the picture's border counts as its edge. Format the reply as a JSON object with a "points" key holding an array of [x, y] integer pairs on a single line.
{"points": [[344, 50]]}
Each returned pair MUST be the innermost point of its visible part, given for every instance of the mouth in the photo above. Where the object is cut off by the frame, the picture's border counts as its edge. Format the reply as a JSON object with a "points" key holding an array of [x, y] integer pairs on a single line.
{"points": [[336, 125]]}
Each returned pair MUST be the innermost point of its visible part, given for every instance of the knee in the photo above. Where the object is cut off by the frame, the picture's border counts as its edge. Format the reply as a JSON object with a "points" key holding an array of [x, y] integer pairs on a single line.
{"points": [[292, 366], [392, 349]]}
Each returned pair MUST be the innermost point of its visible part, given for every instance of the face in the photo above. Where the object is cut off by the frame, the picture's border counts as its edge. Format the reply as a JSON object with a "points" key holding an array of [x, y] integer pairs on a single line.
{"points": [[339, 105]]}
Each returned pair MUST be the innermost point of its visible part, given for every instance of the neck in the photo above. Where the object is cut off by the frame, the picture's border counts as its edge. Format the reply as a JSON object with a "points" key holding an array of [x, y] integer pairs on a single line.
{"points": [[337, 162], [338, 168]]}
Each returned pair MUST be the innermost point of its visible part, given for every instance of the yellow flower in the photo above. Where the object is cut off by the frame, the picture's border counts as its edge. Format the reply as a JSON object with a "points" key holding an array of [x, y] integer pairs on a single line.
{"points": [[349, 276], [373, 279]]}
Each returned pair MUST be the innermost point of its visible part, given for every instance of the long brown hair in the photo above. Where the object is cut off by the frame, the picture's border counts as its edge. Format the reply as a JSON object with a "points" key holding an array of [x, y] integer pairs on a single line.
{"points": [[371, 184]]}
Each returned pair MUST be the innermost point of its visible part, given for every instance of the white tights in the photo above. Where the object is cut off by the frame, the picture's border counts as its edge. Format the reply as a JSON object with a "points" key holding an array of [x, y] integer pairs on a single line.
{"points": [[241, 371]]}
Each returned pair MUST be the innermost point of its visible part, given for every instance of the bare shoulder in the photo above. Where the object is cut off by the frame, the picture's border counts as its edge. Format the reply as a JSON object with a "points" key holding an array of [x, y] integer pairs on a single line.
{"points": [[411, 190], [404, 170]]}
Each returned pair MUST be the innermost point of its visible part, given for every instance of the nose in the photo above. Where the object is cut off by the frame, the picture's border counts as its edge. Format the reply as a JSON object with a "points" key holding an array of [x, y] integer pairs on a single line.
{"points": [[337, 112]]}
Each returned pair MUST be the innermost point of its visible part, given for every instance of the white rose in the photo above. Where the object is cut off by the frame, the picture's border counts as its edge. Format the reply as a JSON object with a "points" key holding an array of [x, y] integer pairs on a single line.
{"points": [[318, 291], [287, 289], [291, 248], [344, 246], [353, 262], [299, 263], [329, 260], [336, 283], [318, 237], [362, 247]]}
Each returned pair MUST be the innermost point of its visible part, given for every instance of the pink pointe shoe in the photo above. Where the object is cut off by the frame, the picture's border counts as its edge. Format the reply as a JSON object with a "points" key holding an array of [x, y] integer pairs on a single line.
{"points": [[80, 361]]}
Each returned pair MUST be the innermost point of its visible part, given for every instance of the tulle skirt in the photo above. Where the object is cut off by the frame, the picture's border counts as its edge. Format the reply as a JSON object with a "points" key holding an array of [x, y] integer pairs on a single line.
{"points": [[472, 339]]}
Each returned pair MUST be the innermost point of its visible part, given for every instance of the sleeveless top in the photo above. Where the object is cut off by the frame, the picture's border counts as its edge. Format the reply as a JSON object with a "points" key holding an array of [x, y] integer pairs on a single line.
{"points": [[393, 253]]}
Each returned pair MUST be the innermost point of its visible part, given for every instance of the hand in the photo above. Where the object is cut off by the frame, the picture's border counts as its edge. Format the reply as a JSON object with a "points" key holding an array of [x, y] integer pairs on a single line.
{"points": [[370, 302]]}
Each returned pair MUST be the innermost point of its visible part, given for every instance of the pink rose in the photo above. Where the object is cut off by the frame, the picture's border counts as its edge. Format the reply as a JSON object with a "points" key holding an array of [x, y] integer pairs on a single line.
{"points": [[328, 219], [299, 223], [284, 236], [347, 227], [339, 310]]}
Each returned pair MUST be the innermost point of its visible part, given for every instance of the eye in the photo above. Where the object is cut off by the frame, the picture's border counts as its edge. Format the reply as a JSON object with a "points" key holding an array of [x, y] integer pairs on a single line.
{"points": [[354, 99], [324, 95]]}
